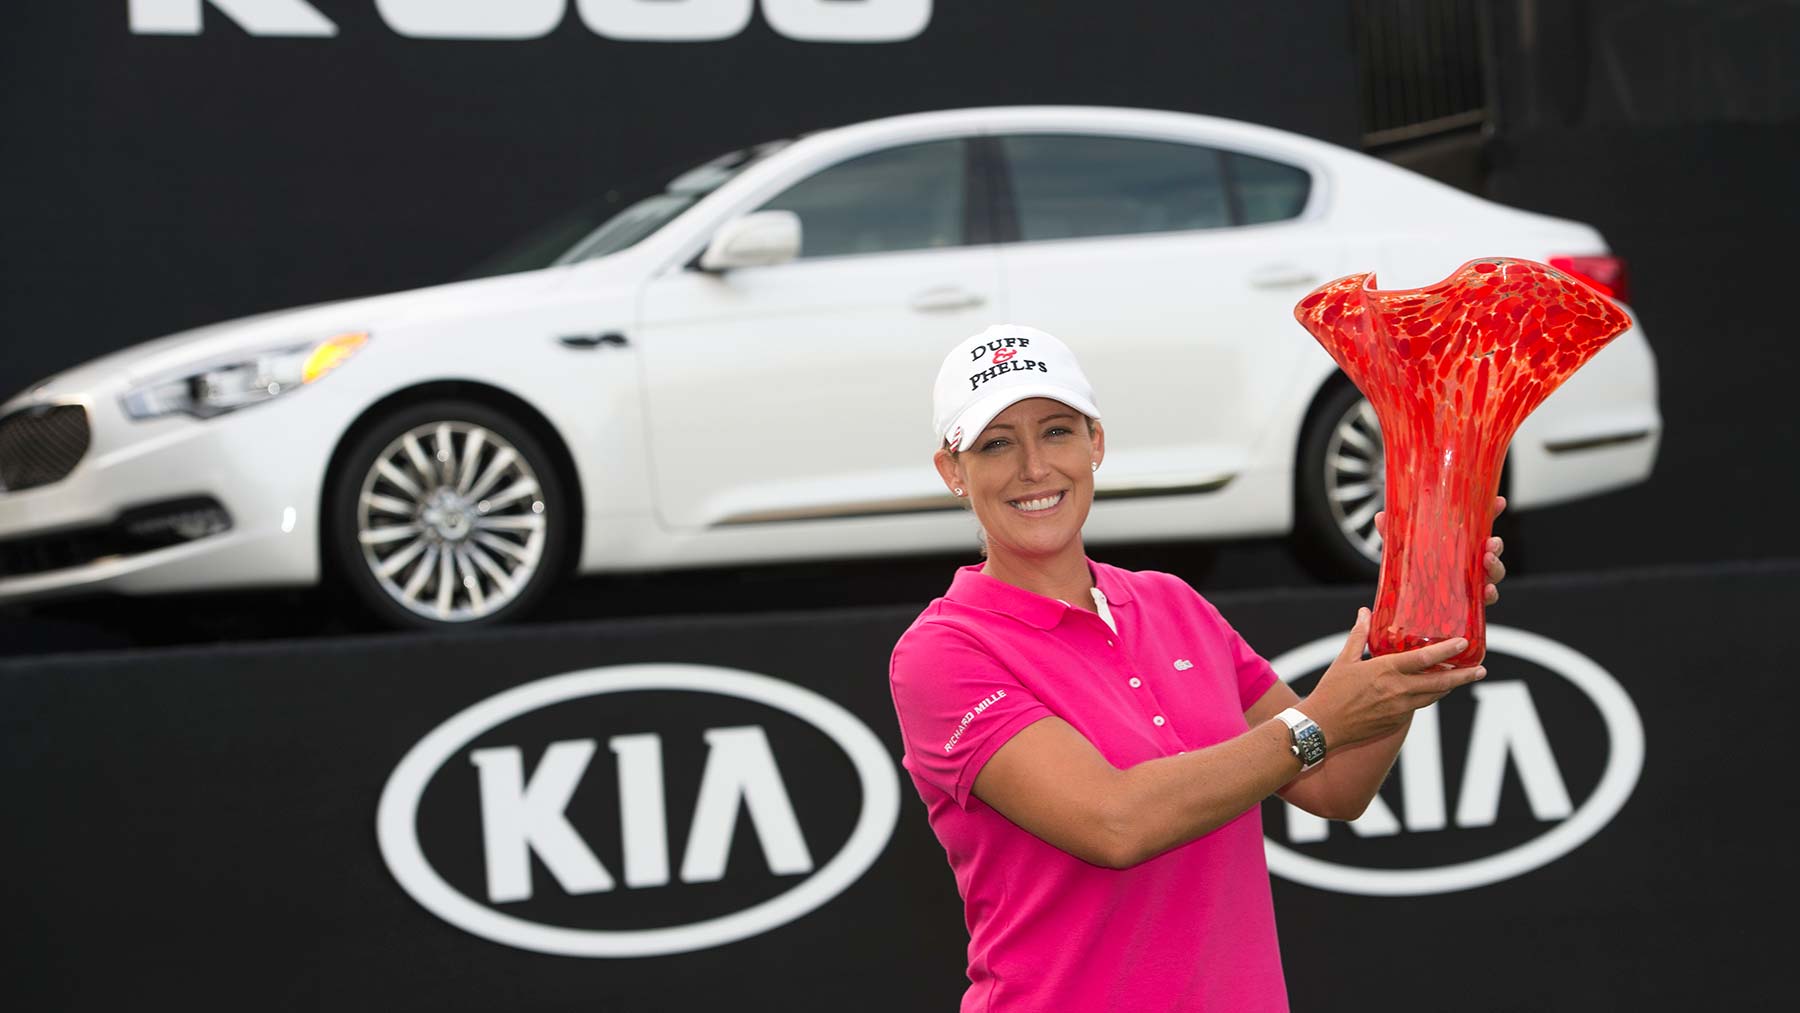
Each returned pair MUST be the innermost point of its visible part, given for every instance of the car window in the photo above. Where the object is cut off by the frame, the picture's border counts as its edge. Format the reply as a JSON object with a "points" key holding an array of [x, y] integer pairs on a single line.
{"points": [[904, 198], [1067, 186], [621, 216], [1268, 191]]}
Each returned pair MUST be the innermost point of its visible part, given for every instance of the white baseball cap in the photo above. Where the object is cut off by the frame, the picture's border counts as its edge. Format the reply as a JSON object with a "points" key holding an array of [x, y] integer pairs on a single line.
{"points": [[986, 374]]}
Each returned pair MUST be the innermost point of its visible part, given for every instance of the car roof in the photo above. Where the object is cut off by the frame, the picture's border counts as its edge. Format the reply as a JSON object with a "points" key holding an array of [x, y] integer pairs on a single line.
{"points": [[1084, 118], [1397, 195]]}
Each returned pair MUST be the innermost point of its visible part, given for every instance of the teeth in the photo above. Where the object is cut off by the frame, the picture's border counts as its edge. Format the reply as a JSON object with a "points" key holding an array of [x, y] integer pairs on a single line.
{"points": [[1038, 504]]}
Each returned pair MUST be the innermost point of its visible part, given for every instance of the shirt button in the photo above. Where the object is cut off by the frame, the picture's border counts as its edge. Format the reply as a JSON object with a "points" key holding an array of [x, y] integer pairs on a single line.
{"points": [[1109, 643], [1157, 721], [1136, 682]]}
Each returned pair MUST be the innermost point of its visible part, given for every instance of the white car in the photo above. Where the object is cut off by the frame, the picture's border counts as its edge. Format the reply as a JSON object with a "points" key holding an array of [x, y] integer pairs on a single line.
{"points": [[734, 366]]}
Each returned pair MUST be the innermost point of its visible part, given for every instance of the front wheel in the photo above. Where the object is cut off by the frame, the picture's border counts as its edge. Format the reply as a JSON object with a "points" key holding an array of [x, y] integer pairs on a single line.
{"points": [[1339, 484], [447, 513]]}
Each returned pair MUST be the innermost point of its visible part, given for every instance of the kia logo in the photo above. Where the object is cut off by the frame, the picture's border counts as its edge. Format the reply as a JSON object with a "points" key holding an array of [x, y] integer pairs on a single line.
{"points": [[1508, 742], [465, 790]]}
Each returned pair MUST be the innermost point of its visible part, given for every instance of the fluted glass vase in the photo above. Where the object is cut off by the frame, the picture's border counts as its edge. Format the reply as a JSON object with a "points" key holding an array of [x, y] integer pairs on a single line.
{"points": [[1452, 369]]}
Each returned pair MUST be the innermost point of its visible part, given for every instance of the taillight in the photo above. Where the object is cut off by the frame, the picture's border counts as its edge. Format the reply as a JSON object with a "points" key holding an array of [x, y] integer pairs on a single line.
{"points": [[1605, 274]]}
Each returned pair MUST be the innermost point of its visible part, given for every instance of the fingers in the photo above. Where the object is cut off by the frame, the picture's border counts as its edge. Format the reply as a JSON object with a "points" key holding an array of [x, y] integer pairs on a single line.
{"points": [[1358, 639], [1496, 571], [1499, 505], [1380, 518], [1437, 685], [1430, 656]]}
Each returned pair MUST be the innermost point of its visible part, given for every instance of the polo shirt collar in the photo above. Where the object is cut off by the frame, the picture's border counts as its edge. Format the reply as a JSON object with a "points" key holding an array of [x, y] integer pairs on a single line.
{"points": [[974, 588]]}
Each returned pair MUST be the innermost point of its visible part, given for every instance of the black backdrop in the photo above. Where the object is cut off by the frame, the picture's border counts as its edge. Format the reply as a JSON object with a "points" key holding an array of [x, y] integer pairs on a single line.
{"points": [[196, 826], [1701, 216]]}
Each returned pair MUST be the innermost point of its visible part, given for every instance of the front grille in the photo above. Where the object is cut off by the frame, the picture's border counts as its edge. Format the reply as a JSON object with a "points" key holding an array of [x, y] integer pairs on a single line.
{"points": [[41, 444], [140, 529]]}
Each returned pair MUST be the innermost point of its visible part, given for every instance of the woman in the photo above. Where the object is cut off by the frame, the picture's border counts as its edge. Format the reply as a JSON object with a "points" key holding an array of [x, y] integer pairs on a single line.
{"points": [[1093, 744]]}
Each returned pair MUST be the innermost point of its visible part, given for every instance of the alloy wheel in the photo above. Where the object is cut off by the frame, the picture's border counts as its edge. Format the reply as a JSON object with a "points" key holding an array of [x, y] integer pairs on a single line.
{"points": [[451, 521], [1356, 477]]}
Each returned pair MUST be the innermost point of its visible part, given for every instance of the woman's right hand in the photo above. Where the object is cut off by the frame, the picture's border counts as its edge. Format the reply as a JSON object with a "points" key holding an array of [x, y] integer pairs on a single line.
{"points": [[1358, 699]]}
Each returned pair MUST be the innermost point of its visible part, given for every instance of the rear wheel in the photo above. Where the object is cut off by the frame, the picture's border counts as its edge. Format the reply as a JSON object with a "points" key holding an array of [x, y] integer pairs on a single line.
{"points": [[448, 513], [1340, 483]]}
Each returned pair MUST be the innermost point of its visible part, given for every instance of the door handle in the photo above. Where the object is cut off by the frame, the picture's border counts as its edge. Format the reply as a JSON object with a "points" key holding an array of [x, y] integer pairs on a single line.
{"points": [[593, 340], [1282, 276], [945, 298]]}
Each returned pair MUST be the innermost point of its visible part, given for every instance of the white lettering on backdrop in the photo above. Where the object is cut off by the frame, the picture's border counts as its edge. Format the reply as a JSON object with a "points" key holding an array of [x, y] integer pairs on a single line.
{"points": [[625, 20]]}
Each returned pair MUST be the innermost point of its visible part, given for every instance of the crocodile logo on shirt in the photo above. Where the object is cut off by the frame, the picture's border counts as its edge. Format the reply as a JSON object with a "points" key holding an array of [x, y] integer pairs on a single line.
{"points": [[1182, 664]]}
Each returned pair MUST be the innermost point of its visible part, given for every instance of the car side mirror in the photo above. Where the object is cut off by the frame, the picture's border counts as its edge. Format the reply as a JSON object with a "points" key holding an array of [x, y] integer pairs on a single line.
{"points": [[761, 239]]}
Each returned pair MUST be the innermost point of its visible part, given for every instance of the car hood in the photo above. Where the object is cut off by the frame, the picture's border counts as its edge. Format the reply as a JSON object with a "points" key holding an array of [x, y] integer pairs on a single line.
{"points": [[160, 357]]}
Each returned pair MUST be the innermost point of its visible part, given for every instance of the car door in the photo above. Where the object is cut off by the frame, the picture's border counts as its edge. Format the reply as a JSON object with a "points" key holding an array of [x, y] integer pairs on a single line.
{"points": [[803, 390], [1172, 270]]}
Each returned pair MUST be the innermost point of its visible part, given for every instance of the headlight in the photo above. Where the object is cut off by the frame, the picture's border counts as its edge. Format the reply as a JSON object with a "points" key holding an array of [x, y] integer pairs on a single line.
{"points": [[232, 384]]}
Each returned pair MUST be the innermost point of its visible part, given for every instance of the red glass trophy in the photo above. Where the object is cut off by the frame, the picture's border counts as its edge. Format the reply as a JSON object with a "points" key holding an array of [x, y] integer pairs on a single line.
{"points": [[1451, 370]]}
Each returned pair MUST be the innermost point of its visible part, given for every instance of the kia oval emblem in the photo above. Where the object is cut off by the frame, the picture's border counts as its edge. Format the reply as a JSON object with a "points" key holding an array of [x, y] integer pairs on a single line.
{"points": [[1569, 825], [746, 773]]}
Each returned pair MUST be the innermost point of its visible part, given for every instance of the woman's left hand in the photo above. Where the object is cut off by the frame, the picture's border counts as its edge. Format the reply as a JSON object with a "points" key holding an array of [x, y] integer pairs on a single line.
{"points": [[1496, 570]]}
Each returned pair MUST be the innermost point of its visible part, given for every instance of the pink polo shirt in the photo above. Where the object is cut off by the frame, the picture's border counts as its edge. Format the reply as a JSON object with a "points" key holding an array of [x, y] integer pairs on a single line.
{"points": [[1192, 929]]}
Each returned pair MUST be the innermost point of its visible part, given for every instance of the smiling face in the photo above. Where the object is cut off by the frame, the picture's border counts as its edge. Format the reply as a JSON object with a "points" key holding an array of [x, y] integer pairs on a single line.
{"points": [[1030, 478]]}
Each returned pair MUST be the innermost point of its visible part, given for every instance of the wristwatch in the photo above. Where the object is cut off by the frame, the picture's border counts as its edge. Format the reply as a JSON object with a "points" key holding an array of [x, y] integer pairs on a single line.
{"points": [[1304, 738]]}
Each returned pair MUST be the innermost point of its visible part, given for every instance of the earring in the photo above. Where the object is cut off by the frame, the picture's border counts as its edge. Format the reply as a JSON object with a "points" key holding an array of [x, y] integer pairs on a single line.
{"points": [[957, 490], [1096, 466]]}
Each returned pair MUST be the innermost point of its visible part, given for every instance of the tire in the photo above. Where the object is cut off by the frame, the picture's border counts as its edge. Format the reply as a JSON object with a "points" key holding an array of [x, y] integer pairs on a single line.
{"points": [[429, 543], [1339, 484]]}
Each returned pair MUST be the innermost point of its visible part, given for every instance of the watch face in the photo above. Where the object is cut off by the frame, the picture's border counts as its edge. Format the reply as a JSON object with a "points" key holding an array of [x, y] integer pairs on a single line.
{"points": [[1311, 743]]}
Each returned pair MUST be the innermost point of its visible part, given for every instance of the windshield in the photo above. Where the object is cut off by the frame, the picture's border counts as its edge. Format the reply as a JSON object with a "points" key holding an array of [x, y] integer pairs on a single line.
{"points": [[621, 217]]}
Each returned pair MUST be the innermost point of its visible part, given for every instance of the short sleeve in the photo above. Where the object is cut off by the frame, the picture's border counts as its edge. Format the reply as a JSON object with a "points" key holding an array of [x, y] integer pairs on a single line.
{"points": [[957, 706], [1254, 675]]}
